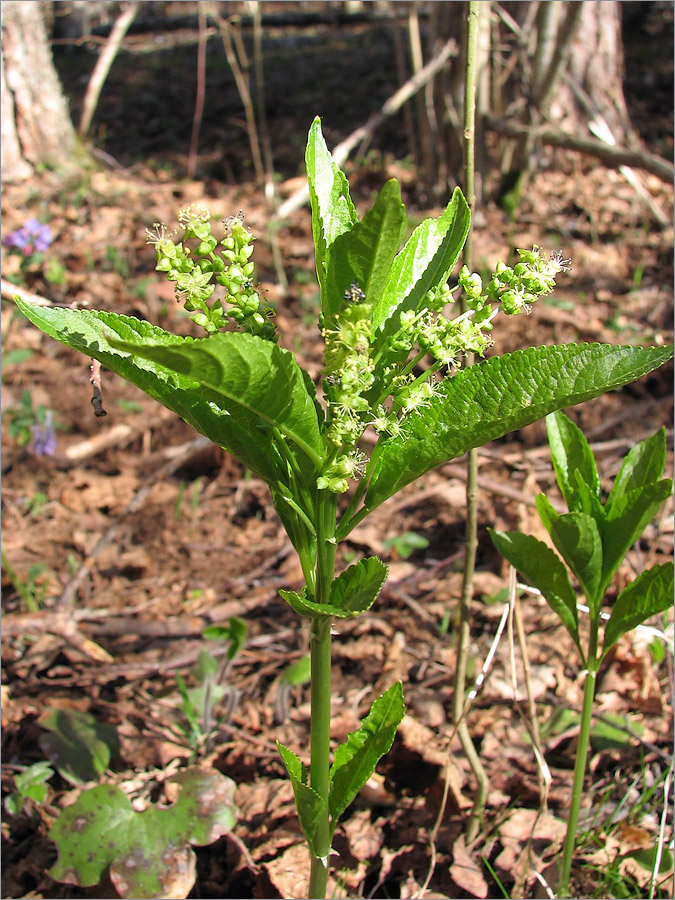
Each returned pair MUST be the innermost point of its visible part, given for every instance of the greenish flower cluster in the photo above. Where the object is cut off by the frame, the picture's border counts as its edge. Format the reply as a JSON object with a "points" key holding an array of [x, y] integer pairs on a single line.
{"points": [[197, 269], [517, 288], [358, 395]]}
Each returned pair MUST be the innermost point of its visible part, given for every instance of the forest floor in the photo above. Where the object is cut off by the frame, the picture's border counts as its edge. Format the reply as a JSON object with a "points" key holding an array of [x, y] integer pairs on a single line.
{"points": [[134, 537]]}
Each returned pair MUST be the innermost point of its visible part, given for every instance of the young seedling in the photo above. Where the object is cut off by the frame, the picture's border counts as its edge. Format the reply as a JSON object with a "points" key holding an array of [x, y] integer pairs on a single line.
{"points": [[392, 357], [592, 539]]}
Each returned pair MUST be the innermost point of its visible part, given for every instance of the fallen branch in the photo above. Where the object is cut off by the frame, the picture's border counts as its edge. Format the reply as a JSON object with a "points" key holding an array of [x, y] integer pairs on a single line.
{"points": [[103, 65], [612, 156], [9, 291]]}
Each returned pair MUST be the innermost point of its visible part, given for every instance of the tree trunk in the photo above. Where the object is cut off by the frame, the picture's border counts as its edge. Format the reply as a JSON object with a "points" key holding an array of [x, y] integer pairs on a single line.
{"points": [[36, 126], [555, 63]]}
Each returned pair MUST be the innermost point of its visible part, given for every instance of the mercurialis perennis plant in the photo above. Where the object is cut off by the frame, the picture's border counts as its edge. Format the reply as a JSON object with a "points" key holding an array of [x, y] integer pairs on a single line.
{"points": [[394, 347]]}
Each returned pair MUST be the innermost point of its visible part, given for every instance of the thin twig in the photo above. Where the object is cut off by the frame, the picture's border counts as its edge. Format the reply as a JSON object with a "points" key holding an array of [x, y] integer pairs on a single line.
{"points": [[103, 66], [201, 90], [471, 535], [662, 831]]}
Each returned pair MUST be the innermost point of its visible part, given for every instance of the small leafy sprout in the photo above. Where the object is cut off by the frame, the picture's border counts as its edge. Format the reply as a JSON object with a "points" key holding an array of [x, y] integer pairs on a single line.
{"points": [[592, 539], [31, 788]]}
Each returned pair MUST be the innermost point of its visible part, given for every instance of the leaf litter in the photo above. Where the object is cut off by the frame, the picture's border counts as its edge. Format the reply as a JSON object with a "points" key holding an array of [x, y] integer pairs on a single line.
{"points": [[194, 557]]}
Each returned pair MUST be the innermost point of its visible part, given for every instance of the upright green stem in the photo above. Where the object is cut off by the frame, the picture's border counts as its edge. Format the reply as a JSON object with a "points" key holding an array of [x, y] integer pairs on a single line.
{"points": [[470, 539], [582, 752], [320, 652], [578, 785]]}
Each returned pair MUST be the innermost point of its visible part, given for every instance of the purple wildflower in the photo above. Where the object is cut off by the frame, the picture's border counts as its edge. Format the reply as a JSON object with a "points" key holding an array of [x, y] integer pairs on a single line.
{"points": [[32, 238], [44, 437]]}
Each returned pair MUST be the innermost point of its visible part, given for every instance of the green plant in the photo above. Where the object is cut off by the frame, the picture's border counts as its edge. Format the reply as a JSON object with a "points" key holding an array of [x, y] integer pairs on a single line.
{"points": [[392, 359], [210, 689], [406, 544], [33, 590], [592, 540], [148, 853], [28, 423], [31, 787]]}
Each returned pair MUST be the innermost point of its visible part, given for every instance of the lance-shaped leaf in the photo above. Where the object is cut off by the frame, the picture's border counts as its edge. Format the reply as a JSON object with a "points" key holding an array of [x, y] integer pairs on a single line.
{"points": [[545, 571], [577, 539], [355, 760], [353, 592], [425, 262], [148, 852], [570, 453], [242, 433], [651, 593], [642, 465], [245, 372], [504, 393], [333, 212], [365, 253], [310, 805], [630, 515]]}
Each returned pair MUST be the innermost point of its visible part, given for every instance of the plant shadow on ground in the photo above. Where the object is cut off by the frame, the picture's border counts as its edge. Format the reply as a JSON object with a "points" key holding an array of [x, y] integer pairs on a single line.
{"points": [[203, 543]]}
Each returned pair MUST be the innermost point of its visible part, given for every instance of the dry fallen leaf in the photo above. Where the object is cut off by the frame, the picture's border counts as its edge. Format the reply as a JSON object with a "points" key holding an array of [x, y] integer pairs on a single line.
{"points": [[464, 871]]}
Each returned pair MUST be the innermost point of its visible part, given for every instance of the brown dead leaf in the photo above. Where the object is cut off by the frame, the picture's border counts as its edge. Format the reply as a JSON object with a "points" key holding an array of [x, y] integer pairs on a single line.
{"points": [[289, 872], [524, 824], [365, 838], [464, 871]]}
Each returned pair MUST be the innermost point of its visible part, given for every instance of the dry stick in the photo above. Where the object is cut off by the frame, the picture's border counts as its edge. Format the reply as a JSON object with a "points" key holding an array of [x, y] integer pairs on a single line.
{"points": [[610, 155], [201, 89], [471, 535], [541, 92], [530, 720], [103, 66], [408, 123], [272, 225], [599, 127], [390, 107], [237, 64], [423, 123], [471, 696], [9, 291], [662, 833]]}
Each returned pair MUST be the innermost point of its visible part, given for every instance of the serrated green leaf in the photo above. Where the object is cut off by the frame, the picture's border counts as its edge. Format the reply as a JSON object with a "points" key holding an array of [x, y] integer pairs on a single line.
{"points": [[310, 806], [240, 432], [630, 515], [365, 253], [353, 592], [245, 373], [426, 260], [78, 745], [504, 393], [148, 852], [571, 452], [333, 212], [651, 593], [355, 760], [577, 539], [642, 465], [545, 571], [303, 606]]}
